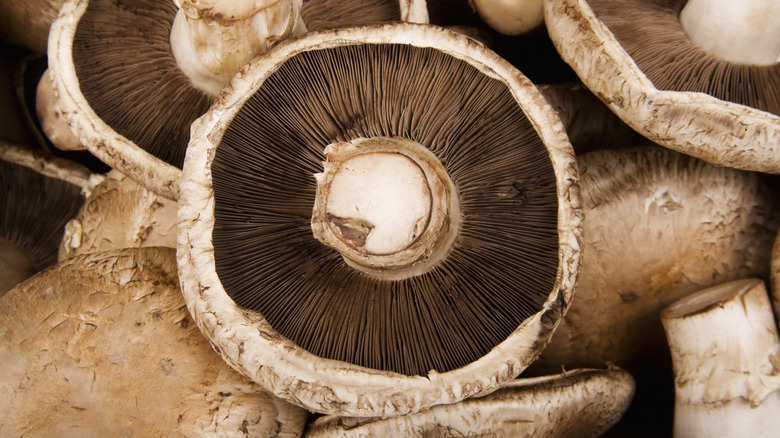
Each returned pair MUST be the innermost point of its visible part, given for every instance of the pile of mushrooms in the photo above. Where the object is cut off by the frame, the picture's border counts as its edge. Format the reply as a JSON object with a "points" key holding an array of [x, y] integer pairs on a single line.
{"points": [[393, 216]]}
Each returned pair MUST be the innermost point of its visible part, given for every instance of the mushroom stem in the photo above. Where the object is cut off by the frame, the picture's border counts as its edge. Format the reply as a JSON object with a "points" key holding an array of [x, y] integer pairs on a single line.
{"points": [[15, 266], [211, 40], [745, 31], [725, 349], [387, 205]]}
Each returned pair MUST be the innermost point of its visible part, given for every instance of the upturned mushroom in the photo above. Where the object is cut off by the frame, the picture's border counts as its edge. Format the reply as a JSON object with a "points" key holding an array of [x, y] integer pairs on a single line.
{"points": [[39, 193], [650, 64], [726, 355], [431, 257], [577, 403], [103, 345], [119, 213], [135, 115]]}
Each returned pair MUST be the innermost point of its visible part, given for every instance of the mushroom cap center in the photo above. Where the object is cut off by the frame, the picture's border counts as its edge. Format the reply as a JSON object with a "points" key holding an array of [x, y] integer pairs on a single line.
{"points": [[379, 203], [387, 205]]}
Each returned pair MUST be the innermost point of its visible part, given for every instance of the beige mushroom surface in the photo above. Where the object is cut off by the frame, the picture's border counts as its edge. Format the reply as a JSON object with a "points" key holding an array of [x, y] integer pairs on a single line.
{"points": [[658, 225], [575, 404], [103, 345], [666, 87], [119, 213], [296, 315]]}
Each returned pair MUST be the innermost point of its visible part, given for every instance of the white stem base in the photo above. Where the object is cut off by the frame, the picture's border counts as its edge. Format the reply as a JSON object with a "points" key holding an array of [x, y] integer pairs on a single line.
{"points": [[742, 31]]}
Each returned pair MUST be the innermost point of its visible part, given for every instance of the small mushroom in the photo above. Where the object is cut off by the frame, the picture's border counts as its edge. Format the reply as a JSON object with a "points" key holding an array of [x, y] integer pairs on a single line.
{"points": [[726, 355], [281, 270], [39, 193], [578, 403], [637, 57], [119, 213], [510, 17], [103, 345]]}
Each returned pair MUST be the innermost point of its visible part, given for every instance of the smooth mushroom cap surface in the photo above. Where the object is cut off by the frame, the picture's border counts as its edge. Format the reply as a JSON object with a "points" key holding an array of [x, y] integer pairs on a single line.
{"points": [[577, 403], [119, 213], [658, 225], [667, 88], [103, 345], [725, 348], [510, 17], [39, 193], [272, 216]]}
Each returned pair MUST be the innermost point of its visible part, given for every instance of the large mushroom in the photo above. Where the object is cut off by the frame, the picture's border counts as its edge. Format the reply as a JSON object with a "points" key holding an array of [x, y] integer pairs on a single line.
{"points": [[577, 403], [311, 288], [102, 345], [647, 62]]}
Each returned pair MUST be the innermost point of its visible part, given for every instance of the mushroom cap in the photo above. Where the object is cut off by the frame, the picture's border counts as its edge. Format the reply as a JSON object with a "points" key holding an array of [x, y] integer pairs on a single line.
{"points": [[26, 23], [576, 403], [144, 137], [119, 213], [707, 127], [658, 225], [510, 17], [249, 342], [102, 345]]}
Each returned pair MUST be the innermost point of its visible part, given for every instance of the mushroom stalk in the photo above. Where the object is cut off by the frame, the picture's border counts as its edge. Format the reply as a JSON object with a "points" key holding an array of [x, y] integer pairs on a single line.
{"points": [[387, 205], [725, 348], [745, 31], [213, 39]]}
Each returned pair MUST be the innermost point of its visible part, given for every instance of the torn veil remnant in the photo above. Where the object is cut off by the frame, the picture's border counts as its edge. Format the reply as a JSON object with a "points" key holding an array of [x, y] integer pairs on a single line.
{"points": [[456, 297], [642, 59], [577, 403], [104, 345]]}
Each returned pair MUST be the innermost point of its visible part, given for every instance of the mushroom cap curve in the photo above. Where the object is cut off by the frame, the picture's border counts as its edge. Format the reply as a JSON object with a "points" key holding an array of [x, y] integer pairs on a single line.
{"points": [[694, 123], [249, 343]]}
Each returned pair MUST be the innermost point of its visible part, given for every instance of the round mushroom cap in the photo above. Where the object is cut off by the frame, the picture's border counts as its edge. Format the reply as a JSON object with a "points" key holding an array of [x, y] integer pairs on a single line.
{"points": [[103, 345], [379, 342], [119, 213], [667, 88], [577, 403], [25, 23]]}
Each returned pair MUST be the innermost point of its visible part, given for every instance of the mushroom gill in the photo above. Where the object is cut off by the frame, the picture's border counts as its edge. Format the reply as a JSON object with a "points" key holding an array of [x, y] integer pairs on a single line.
{"points": [[326, 14], [499, 270], [122, 52], [651, 33]]}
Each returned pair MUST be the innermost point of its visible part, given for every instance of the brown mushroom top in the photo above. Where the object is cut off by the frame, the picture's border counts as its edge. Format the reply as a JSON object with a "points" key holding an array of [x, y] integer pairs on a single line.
{"points": [[103, 345], [650, 31]]}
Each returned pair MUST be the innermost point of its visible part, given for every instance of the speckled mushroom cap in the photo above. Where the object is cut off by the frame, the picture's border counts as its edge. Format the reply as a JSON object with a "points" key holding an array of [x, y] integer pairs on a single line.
{"points": [[102, 345], [577, 403], [254, 345], [710, 128], [658, 225]]}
